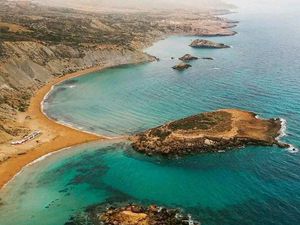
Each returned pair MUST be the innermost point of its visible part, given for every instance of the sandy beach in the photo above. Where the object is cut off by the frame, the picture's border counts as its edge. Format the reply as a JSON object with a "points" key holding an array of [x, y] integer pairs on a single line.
{"points": [[53, 138]]}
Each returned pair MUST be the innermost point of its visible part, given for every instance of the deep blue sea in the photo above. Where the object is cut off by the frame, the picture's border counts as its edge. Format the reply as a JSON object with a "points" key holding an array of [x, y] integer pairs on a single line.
{"points": [[250, 186]]}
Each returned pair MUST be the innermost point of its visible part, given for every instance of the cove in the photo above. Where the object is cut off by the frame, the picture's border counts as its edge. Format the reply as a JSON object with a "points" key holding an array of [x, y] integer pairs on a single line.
{"points": [[255, 185]]}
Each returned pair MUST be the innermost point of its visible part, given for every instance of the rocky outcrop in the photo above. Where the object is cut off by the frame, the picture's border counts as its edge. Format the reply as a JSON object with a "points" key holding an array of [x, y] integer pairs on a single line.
{"points": [[209, 132], [200, 43], [132, 215], [188, 57], [181, 66]]}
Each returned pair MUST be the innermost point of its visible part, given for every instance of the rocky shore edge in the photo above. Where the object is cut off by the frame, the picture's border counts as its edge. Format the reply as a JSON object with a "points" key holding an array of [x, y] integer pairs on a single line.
{"points": [[131, 214], [216, 131]]}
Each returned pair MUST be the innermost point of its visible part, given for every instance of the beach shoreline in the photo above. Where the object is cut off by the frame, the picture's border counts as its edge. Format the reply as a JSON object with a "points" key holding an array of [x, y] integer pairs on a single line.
{"points": [[55, 136]]}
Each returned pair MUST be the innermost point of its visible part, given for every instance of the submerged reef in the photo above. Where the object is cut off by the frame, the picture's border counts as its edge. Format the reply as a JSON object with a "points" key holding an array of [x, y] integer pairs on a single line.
{"points": [[131, 214]]}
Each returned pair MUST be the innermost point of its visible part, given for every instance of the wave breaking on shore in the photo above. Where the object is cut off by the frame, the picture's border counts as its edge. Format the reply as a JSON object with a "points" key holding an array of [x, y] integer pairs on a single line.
{"points": [[283, 133]]}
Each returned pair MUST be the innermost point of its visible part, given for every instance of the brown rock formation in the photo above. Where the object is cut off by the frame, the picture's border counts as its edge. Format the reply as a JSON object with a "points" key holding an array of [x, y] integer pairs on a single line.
{"points": [[209, 132], [181, 66], [133, 215], [188, 57], [200, 43]]}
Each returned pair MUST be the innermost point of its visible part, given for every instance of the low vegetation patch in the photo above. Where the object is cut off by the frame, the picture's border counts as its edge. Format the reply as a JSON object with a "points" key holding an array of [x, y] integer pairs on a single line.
{"points": [[204, 121]]}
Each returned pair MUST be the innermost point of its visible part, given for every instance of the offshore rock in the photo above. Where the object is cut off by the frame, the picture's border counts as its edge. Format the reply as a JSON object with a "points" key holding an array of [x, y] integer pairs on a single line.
{"points": [[188, 57], [181, 66], [200, 43]]}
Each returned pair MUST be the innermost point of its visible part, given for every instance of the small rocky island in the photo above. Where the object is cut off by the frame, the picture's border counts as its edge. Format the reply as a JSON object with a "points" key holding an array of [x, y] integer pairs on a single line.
{"points": [[188, 57], [182, 66], [200, 43], [132, 215], [209, 132]]}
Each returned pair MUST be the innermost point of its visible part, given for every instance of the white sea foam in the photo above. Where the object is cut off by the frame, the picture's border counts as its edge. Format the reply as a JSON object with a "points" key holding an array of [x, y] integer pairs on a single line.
{"points": [[293, 149], [45, 98], [283, 128], [283, 133]]}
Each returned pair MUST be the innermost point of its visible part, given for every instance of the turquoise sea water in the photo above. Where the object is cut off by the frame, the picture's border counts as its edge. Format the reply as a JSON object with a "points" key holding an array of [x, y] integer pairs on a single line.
{"points": [[252, 186]]}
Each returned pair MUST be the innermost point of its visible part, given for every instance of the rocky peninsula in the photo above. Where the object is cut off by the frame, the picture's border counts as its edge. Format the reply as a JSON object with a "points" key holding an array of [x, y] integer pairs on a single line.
{"points": [[209, 132], [200, 43], [132, 215]]}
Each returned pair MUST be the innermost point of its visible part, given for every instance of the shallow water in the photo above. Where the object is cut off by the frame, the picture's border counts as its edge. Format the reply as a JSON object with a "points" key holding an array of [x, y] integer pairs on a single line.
{"points": [[251, 186], [255, 186]]}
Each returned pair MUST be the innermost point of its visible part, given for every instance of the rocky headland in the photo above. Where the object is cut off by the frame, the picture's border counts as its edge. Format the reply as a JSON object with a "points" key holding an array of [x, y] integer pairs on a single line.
{"points": [[200, 43], [132, 214], [209, 132]]}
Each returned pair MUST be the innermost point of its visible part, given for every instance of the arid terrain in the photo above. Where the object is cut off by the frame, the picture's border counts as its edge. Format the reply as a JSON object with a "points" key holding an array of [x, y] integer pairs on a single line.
{"points": [[209, 132]]}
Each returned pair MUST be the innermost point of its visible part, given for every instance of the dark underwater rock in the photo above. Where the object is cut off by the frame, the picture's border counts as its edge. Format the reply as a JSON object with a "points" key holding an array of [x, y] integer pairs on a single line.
{"points": [[131, 214]]}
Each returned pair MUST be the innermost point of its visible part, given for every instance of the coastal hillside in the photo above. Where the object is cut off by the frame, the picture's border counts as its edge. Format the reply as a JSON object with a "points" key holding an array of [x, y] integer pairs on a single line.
{"points": [[101, 5], [39, 43], [32, 64]]}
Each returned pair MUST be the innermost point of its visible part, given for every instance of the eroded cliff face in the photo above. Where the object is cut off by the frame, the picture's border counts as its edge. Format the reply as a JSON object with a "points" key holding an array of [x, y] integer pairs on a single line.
{"points": [[27, 66]]}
